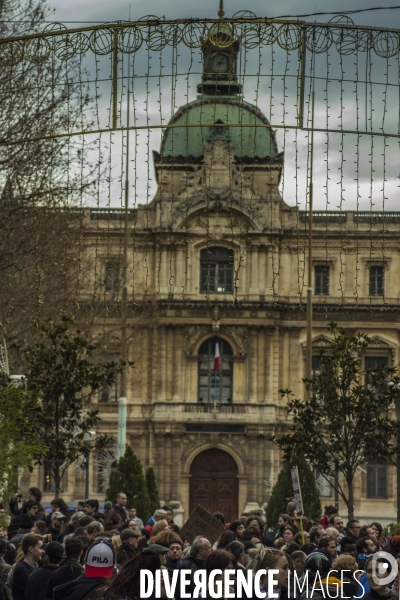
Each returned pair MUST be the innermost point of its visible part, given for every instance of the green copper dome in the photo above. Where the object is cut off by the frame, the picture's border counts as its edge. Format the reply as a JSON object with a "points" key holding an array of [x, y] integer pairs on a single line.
{"points": [[198, 123]]}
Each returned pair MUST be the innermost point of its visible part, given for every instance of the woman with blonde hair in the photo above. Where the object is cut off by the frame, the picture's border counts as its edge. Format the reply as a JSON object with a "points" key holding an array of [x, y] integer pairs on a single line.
{"points": [[345, 562], [270, 558], [346, 567], [116, 542], [166, 538], [159, 526]]}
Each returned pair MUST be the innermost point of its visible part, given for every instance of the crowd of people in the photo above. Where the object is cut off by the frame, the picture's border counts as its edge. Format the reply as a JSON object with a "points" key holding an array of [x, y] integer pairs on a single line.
{"points": [[88, 554]]}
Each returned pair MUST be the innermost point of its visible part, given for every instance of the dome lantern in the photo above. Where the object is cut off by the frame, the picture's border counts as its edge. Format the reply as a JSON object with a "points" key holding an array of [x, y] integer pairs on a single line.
{"points": [[220, 50]]}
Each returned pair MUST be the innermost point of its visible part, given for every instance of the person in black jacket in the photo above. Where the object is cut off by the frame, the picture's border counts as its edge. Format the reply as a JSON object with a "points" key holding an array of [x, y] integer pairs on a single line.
{"points": [[199, 551], [25, 526], [70, 571], [143, 539], [364, 547], [37, 582], [30, 508], [4, 566], [31, 546], [92, 510], [99, 566], [57, 525], [128, 548]]}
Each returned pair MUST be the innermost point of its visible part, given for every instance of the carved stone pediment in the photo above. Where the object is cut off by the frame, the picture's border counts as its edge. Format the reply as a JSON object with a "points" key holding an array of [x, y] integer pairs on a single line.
{"points": [[379, 343], [376, 343], [318, 343], [235, 336]]}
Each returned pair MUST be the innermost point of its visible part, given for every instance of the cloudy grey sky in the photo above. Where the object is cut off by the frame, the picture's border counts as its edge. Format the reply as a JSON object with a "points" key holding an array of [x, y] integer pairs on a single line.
{"points": [[104, 10], [345, 174]]}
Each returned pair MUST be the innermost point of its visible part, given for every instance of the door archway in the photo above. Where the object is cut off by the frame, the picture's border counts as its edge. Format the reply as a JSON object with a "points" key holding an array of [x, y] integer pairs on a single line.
{"points": [[214, 483]]}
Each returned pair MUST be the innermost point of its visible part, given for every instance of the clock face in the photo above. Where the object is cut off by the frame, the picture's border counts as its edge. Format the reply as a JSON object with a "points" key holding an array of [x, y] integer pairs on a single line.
{"points": [[220, 63]]}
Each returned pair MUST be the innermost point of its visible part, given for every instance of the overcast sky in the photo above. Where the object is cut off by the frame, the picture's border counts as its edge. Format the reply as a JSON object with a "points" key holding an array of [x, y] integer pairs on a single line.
{"points": [[336, 178], [104, 10]]}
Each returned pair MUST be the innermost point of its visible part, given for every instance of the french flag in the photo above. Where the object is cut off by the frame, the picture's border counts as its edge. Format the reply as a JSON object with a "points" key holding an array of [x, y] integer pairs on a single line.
{"points": [[217, 359]]}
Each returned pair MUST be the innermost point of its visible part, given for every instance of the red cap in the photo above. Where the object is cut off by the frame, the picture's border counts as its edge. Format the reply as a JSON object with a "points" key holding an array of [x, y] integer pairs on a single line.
{"points": [[100, 560]]}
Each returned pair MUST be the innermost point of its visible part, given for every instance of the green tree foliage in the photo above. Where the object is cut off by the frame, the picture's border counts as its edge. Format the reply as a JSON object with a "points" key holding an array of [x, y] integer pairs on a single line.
{"points": [[348, 419], [19, 441], [62, 375], [283, 489], [152, 490], [128, 477]]}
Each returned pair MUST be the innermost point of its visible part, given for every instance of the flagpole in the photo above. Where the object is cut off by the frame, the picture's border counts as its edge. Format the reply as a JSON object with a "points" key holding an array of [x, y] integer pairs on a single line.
{"points": [[215, 390]]}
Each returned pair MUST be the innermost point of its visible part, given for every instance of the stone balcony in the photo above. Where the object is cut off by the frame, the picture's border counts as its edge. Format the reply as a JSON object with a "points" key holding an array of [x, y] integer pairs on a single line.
{"points": [[196, 413]]}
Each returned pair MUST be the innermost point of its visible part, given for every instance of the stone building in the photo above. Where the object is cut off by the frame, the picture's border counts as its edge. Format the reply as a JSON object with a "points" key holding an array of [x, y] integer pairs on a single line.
{"points": [[218, 249]]}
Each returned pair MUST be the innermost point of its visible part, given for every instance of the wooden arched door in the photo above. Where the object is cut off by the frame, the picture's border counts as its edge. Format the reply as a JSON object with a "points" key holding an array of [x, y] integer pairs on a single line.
{"points": [[214, 483]]}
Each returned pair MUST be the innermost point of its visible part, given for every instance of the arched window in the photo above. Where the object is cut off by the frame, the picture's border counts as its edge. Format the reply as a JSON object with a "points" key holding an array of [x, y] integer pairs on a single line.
{"points": [[215, 386], [216, 270]]}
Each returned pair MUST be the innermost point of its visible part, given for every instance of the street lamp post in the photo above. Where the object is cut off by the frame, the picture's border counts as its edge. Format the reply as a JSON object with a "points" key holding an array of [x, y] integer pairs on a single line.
{"points": [[88, 440]]}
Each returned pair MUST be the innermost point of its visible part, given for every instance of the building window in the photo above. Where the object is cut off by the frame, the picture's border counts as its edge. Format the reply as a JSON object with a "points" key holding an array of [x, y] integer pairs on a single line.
{"points": [[376, 281], [322, 281], [376, 480], [316, 366], [216, 270], [109, 393], [215, 386], [373, 362], [112, 277]]}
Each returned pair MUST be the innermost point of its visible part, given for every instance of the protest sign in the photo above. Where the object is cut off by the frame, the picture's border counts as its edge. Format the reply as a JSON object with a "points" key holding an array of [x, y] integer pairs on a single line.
{"points": [[297, 490], [201, 522]]}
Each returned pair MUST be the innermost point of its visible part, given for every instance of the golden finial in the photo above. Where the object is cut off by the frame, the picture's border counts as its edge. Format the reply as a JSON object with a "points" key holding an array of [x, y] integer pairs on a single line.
{"points": [[221, 12]]}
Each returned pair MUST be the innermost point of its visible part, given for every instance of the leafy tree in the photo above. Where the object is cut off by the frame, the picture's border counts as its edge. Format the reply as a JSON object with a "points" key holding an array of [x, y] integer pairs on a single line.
{"points": [[128, 477], [18, 440], [347, 420], [61, 374], [152, 490], [283, 489], [44, 182]]}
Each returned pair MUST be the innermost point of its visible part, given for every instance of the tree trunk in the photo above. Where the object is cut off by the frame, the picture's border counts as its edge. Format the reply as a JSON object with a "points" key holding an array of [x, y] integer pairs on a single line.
{"points": [[350, 505], [57, 481]]}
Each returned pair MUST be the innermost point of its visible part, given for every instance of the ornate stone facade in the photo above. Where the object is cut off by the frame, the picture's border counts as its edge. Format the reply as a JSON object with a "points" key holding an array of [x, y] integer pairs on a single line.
{"points": [[216, 196]]}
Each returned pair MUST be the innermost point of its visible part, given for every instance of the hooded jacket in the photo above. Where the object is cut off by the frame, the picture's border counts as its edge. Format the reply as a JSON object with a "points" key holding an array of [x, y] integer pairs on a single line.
{"points": [[83, 588], [69, 572]]}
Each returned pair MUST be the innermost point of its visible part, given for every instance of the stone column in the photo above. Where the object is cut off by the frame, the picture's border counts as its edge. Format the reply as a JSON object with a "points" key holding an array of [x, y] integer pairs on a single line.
{"points": [[253, 364], [252, 461], [269, 273], [170, 368], [261, 359], [254, 282], [275, 363], [144, 361], [269, 364], [295, 356], [153, 364], [160, 378], [180, 268], [163, 266]]}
